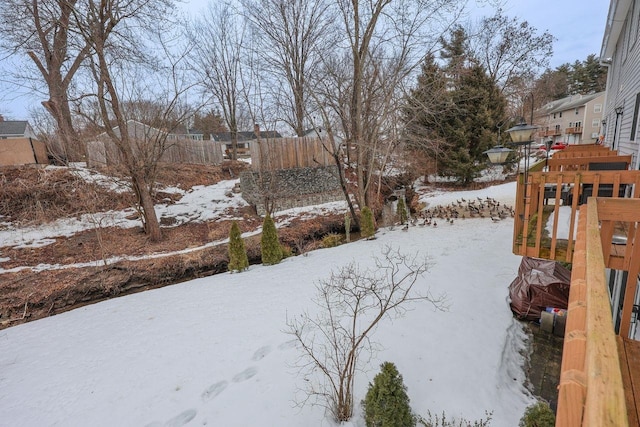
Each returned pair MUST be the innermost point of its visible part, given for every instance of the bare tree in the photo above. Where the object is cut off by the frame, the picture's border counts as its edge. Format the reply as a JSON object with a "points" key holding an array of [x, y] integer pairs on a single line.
{"points": [[383, 43], [291, 38], [219, 39], [46, 32], [509, 48], [114, 29], [352, 302]]}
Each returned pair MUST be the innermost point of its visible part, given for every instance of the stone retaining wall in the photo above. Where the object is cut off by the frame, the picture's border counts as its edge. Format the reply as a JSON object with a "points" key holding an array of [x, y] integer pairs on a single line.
{"points": [[290, 188]]}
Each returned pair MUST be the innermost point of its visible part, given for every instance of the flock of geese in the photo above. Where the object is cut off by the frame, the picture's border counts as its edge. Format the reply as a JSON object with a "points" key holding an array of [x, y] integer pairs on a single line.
{"points": [[462, 209]]}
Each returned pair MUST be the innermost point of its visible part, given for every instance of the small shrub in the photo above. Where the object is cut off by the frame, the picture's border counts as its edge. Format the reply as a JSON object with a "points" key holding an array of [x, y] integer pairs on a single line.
{"points": [[331, 240], [436, 421], [238, 260], [538, 415], [401, 210], [367, 228], [269, 244], [386, 403]]}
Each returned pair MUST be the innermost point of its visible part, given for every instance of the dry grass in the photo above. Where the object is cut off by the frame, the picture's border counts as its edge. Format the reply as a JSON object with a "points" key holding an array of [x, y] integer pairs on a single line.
{"points": [[34, 196]]}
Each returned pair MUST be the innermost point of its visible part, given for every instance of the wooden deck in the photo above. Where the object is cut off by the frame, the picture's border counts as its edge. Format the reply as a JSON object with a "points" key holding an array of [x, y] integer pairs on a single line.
{"points": [[561, 194], [600, 372], [629, 353]]}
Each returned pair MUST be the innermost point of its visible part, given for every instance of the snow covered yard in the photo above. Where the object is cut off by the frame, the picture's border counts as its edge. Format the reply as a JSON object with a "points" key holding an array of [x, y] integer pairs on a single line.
{"points": [[213, 351]]}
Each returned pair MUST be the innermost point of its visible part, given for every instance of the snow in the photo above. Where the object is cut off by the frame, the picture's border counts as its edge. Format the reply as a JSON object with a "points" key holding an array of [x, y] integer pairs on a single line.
{"points": [[213, 351]]}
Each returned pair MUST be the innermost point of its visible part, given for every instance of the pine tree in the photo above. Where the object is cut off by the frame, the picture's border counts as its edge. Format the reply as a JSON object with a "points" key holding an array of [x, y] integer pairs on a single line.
{"points": [[401, 210], [269, 244], [238, 260], [367, 228], [386, 403], [463, 125]]}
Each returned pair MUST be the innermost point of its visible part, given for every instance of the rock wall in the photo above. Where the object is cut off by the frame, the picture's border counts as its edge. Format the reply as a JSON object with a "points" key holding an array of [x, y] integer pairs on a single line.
{"points": [[291, 188]]}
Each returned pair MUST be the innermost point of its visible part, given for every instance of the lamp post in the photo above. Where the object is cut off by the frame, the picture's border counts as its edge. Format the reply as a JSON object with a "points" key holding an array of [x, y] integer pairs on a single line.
{"points": [[548, 145], [521, 136], [618, 111]]}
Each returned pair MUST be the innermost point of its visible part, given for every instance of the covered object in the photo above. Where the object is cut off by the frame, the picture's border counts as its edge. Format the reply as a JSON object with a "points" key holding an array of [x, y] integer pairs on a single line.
{"points": [[540, 284]]}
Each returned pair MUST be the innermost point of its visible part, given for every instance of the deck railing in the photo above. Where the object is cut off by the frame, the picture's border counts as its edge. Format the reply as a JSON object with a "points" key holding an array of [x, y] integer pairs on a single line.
{"points": [[591, 390], [573, 130], [546, 215]]}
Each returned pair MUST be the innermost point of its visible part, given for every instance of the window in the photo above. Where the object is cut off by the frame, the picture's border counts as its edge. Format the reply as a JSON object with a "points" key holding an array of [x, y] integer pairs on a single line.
{"points": [[577, 111], [634, 123], [554, 115], [595, 123], [578, 125], [597, 108], [560, 113]]}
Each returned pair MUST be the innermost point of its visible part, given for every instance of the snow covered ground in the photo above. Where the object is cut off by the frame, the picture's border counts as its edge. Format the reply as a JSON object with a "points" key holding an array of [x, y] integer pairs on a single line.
{"points": [[213, 351]]}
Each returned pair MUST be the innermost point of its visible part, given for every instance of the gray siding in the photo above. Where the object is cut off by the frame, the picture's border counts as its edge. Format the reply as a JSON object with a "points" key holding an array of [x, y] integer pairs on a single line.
{"points": [[624, 84]]}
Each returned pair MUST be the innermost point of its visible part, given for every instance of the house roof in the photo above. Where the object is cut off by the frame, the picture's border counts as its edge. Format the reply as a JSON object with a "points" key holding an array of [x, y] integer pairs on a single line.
{"points": [[13, 127], [569, 103], [245, 135]]}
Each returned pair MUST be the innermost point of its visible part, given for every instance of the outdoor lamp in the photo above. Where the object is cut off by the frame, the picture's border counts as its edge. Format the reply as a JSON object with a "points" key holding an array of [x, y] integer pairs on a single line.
{"points": [[521, 133], [498, 154]]}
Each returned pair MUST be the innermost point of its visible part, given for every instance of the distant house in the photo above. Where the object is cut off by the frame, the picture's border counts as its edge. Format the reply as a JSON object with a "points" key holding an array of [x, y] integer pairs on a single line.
{"points": [[18, 144], [182, 132], [244, 139], [15, 129], [317, 132], [576, 119]]}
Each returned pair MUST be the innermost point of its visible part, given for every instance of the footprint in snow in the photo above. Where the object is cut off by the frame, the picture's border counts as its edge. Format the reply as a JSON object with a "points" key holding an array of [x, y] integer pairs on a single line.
{"points": [[287, 345], [181, 419], [245, 375], [177, 421], [214, 390], [261, 353]]}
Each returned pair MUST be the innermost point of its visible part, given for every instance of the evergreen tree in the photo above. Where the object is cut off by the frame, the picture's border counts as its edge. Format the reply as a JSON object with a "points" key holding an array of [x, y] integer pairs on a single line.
{"points": [[471, 104], [270, 246], [401, 210], [386, 403], [238, 260], [367, 228], [538, 415]]}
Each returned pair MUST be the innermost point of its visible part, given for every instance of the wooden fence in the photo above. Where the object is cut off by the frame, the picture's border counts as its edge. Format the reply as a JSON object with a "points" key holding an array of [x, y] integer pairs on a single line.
{"points": [[290, 153], [103, 153]]}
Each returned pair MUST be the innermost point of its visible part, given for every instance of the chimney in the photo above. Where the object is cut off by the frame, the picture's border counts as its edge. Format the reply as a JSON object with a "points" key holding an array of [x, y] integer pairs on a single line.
{"points": [[1, 118], [256, 130]]}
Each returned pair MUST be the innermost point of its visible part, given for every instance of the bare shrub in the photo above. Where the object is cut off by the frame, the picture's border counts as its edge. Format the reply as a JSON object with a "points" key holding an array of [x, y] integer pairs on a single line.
{"points": [[352, 302]]}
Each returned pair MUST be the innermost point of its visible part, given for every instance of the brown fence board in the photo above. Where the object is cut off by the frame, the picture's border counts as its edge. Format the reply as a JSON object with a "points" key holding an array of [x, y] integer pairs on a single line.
{"points": [[289, 153]]}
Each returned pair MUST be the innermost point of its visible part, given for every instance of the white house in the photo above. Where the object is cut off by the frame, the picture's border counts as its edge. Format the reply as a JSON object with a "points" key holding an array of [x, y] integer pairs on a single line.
{"points": [[620, 52]]}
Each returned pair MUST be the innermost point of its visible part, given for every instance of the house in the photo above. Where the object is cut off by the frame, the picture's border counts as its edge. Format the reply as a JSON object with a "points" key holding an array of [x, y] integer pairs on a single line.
{"points": [[15, 129], [244, 139], [18, 144], [576, 119], [620, 52]]}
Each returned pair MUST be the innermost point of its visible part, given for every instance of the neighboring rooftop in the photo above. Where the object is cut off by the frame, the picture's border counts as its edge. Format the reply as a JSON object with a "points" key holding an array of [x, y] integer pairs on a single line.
{"points": [[567, 103], [13, 128]]}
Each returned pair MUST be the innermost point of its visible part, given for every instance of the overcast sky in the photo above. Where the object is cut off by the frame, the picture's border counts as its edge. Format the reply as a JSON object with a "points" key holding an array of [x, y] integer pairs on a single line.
{"points": [[578, 26]]}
